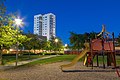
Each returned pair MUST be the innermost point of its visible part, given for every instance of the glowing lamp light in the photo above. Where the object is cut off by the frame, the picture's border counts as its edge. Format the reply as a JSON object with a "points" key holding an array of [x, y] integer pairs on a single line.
{"points": [[18, 22], [56, 40], [66, 45]]}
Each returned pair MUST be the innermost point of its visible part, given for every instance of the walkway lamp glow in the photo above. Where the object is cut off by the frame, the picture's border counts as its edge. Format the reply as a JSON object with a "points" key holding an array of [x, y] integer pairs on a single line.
{"points": [[56, 41]]}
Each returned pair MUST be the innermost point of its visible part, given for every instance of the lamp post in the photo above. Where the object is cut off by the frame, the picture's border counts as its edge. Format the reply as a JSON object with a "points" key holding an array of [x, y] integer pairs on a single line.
{"points": [[65, 47], [18, 23], [56, 41]]}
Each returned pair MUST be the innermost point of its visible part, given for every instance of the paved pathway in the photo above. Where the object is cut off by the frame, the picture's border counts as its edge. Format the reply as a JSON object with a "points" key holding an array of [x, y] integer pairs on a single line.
{"points": [[12, 65]]}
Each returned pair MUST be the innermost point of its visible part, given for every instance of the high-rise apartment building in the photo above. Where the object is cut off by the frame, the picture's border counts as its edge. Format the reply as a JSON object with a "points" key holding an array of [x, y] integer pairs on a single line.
{"points": [[45, 25]]}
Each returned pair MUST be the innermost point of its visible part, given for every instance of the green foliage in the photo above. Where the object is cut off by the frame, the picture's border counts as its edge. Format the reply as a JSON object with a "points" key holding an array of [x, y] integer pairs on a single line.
{"points": [[22, 39], [47, 45], [56, 46], [7, 36], [41, 43], [34, 42]]}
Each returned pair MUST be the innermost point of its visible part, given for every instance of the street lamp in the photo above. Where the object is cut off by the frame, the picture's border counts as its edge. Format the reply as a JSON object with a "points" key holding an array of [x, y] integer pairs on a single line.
{"points": [[56, 41], [18, 23], [66, 45]]}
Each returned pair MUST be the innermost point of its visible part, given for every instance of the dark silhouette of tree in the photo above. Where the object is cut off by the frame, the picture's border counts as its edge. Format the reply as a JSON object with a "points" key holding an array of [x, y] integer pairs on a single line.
{"points": [[76, 40], [93, 35], [119, 39], [2, 12]]}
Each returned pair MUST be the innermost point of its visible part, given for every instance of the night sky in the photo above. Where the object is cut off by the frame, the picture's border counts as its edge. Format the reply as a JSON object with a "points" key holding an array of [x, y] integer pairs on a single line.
{"points": [[79, 16]]}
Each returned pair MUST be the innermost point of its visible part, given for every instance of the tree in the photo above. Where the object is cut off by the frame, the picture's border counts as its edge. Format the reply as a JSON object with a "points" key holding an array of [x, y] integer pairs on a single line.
{"points": [[76, 40], [93, 35], [46, 45], [5, 19], [35, 42], [55, 46], [2, 12], [7, 39], [2, 7], [22, 39], [9, 36]]}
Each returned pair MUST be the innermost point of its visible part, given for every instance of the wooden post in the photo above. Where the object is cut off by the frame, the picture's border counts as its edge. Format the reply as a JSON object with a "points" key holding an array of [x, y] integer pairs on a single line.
{"points": [[114, 56], [103, 50], [91, 53], [97, 60], [109, 59]]}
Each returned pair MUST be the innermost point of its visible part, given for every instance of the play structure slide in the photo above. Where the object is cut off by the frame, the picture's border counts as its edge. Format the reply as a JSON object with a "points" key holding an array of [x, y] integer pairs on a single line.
{"points": [[75, 60]]}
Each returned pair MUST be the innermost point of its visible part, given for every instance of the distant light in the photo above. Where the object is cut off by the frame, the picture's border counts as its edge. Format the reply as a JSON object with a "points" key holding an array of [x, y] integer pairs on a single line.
{"points": [[56, 40], [66, 45], [11, 49]]}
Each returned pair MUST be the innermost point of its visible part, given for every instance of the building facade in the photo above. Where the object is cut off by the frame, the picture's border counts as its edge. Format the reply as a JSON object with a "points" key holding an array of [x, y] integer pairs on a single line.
{"points": [[45, 25]]}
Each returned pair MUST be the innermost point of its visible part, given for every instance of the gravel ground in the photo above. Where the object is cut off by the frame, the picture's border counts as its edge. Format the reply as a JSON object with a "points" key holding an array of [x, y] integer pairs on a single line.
{"points": [[53, 72]]}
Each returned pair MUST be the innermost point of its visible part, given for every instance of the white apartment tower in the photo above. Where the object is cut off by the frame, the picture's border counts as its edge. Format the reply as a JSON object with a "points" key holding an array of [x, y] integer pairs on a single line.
{"points": [[45, 25]]}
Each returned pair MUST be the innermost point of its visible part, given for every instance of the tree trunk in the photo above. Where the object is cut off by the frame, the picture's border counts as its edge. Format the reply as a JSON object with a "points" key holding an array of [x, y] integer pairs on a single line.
{"points": [[34, 49], [29, 54], [1, 57]]}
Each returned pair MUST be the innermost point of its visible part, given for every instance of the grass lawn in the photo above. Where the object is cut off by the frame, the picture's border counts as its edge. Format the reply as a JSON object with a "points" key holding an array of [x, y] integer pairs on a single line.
{"points": [[105, 58], [69, 58], [118, 60], [54, 59], [12, 58]]}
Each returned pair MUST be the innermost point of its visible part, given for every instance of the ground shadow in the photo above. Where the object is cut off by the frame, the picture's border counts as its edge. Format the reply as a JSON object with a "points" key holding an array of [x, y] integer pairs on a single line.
{"points": [[98, 69], [113, 70]]}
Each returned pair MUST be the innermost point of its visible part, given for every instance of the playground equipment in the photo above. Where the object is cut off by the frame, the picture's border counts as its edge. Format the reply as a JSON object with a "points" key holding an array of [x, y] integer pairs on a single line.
{"points": [[101, 45], [82, 54]]}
